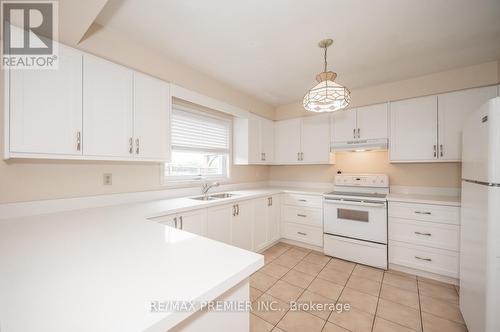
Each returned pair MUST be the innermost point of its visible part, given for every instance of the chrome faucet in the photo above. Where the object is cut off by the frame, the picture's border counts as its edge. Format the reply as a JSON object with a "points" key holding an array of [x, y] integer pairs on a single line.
{"points": [[206, 187]]}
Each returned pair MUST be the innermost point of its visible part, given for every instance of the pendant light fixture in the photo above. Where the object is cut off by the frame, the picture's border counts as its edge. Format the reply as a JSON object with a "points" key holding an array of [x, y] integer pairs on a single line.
{"points": [[327, 95]]}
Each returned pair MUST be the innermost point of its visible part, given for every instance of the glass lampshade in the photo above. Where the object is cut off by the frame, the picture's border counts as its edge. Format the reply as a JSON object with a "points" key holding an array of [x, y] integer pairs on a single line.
{"points": [[327, 96]]}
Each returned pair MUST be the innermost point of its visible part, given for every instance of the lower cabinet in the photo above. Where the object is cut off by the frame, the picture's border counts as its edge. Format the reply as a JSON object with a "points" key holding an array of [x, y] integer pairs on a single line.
{"points": [[266, 228], [192, 221], [302, 218], [242, 224], [219, 222], [425, 237]]}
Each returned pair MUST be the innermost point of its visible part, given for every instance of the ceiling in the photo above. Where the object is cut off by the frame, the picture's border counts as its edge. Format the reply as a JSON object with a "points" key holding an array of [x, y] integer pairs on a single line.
{"points": [[268, 48]]}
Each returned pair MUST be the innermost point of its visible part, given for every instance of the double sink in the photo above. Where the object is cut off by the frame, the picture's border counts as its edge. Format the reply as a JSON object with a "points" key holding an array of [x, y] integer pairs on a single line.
{"points": [[213, 197]]}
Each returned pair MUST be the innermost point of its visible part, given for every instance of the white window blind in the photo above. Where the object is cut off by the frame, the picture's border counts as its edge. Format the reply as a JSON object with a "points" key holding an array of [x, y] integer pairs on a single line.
{"points": [[195, 132]]}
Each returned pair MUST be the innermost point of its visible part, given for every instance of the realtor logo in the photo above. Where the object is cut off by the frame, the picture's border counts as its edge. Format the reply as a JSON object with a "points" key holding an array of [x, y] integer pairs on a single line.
{"points": [[29, 30]]}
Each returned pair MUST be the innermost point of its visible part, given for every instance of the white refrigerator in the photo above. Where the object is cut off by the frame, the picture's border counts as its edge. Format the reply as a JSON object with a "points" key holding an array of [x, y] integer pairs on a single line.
{"points": [[480, 220]]}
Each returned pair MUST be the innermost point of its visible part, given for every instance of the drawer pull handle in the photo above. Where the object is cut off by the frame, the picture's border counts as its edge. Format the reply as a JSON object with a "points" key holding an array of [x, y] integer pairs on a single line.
{"points": [[301, 215], [420, 233], [302, 200], [302, 233], [424, 259], [422, 212]]}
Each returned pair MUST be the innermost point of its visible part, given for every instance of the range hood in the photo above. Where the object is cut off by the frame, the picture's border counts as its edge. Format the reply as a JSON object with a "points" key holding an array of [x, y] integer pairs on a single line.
{"points": [[360, 145]]}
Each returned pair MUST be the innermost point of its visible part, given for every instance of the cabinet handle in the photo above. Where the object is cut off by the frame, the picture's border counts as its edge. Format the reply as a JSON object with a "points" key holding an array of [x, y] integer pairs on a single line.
{"points": [[302, 156], [302, 200], [359, 132], [175, 222], [354, 133], [137, 146], [237, 209], [301, 215], [130, 145], [234, 210], [302, 233], [271, 201], [420, 233], [423, 212], [180, 219], [298, 156], [441, 152], [78, 141], [264, 156], [424, 259], [435, 152]]}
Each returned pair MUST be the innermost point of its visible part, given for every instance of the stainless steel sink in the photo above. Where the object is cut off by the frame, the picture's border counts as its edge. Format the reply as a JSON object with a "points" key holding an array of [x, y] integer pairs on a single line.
{"points": [[221, 195], [212, 197]]}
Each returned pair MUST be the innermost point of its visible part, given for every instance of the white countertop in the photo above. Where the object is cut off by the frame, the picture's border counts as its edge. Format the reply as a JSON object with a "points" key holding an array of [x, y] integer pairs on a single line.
{"points": [[99, 269], [424, 199]]}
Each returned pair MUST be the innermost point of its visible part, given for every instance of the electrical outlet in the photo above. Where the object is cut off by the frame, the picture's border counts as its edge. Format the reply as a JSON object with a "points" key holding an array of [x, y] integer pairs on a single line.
{"points": [[107, 179]]}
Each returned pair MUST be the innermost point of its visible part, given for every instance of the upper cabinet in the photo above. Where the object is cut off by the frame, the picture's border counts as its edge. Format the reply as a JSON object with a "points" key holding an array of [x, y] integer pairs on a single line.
{"points": [[253, 140], [152, 105], [453, 109], [303, 140], [414, 129], [46, 108], [107, 108], [362, 123], [430, 128], [88, 108]]}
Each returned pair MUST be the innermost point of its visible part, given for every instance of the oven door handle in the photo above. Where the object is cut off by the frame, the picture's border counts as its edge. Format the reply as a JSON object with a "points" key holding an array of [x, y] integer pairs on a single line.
{"points": [[357, 203]]}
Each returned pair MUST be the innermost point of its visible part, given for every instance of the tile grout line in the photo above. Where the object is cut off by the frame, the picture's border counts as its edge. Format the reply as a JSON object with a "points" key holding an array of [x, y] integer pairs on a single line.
{"points": [[420, 307], [378, 300]]}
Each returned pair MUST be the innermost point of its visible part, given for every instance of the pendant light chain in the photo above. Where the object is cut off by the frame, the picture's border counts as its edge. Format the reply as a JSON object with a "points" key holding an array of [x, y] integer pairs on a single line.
{"points": [[326, 48]]}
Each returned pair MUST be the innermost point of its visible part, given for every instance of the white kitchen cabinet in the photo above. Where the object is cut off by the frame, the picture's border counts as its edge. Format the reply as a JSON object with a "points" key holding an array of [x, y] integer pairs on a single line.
{"points": [[302, 140], [315, 139], [344, 126], [414, 130], [191, 221], [219, 220], [287, 141], [242, 225], [46, 107], [371, 121], [266, 227], [152, 108], [107, 108], [253, 140], [267, 140], [366, 123], [453, 109]]}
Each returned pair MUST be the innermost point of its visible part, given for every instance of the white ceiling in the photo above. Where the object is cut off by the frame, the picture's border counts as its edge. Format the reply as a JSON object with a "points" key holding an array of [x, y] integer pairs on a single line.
{"points": [[268, 48]]}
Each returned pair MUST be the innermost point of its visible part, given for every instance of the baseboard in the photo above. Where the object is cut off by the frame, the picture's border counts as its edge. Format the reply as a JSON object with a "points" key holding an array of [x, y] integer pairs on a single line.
{"points": [[302, 244]]}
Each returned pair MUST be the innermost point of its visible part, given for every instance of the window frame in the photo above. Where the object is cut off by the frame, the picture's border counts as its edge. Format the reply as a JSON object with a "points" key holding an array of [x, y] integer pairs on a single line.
{"points": [[185, 179]]}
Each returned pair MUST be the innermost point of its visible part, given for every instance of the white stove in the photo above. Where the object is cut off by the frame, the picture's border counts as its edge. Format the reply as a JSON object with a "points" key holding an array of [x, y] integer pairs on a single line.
{"points": [[355, 219]]}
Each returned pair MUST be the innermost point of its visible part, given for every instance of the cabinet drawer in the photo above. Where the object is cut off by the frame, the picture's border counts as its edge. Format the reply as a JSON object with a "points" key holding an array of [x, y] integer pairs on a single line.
{"points": [[307, 234], [439, 261], [426, 212], [305, 216], [442, 236], [304, 200]]}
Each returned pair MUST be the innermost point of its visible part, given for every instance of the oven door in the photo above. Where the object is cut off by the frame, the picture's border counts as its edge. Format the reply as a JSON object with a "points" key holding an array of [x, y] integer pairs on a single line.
{"points": [[364, 220]]}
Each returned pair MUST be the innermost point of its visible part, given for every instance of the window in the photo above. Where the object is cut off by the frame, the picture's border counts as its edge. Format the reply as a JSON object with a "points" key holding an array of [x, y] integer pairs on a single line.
{"points": [[200, 146]]}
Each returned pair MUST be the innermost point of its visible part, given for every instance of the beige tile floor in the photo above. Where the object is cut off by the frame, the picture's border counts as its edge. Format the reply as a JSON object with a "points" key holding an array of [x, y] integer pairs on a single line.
{"points": [[381, 301]]}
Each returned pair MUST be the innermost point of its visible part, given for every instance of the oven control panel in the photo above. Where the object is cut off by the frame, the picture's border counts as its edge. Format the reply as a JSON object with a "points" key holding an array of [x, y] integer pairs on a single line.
{"points": [[362, 180]]}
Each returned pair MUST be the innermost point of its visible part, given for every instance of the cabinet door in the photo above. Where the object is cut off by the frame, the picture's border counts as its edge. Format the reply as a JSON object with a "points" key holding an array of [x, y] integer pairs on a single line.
{"points": [[152, 109], [261, 223], [193, 221], [254, 150], [344, 125], [453, 109], [242, 225], [315, 139], [414, 129], [372, 121], [46, 107], [107, 108], [274, 219], [287, 141], [219, 221], [267, 139]]}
